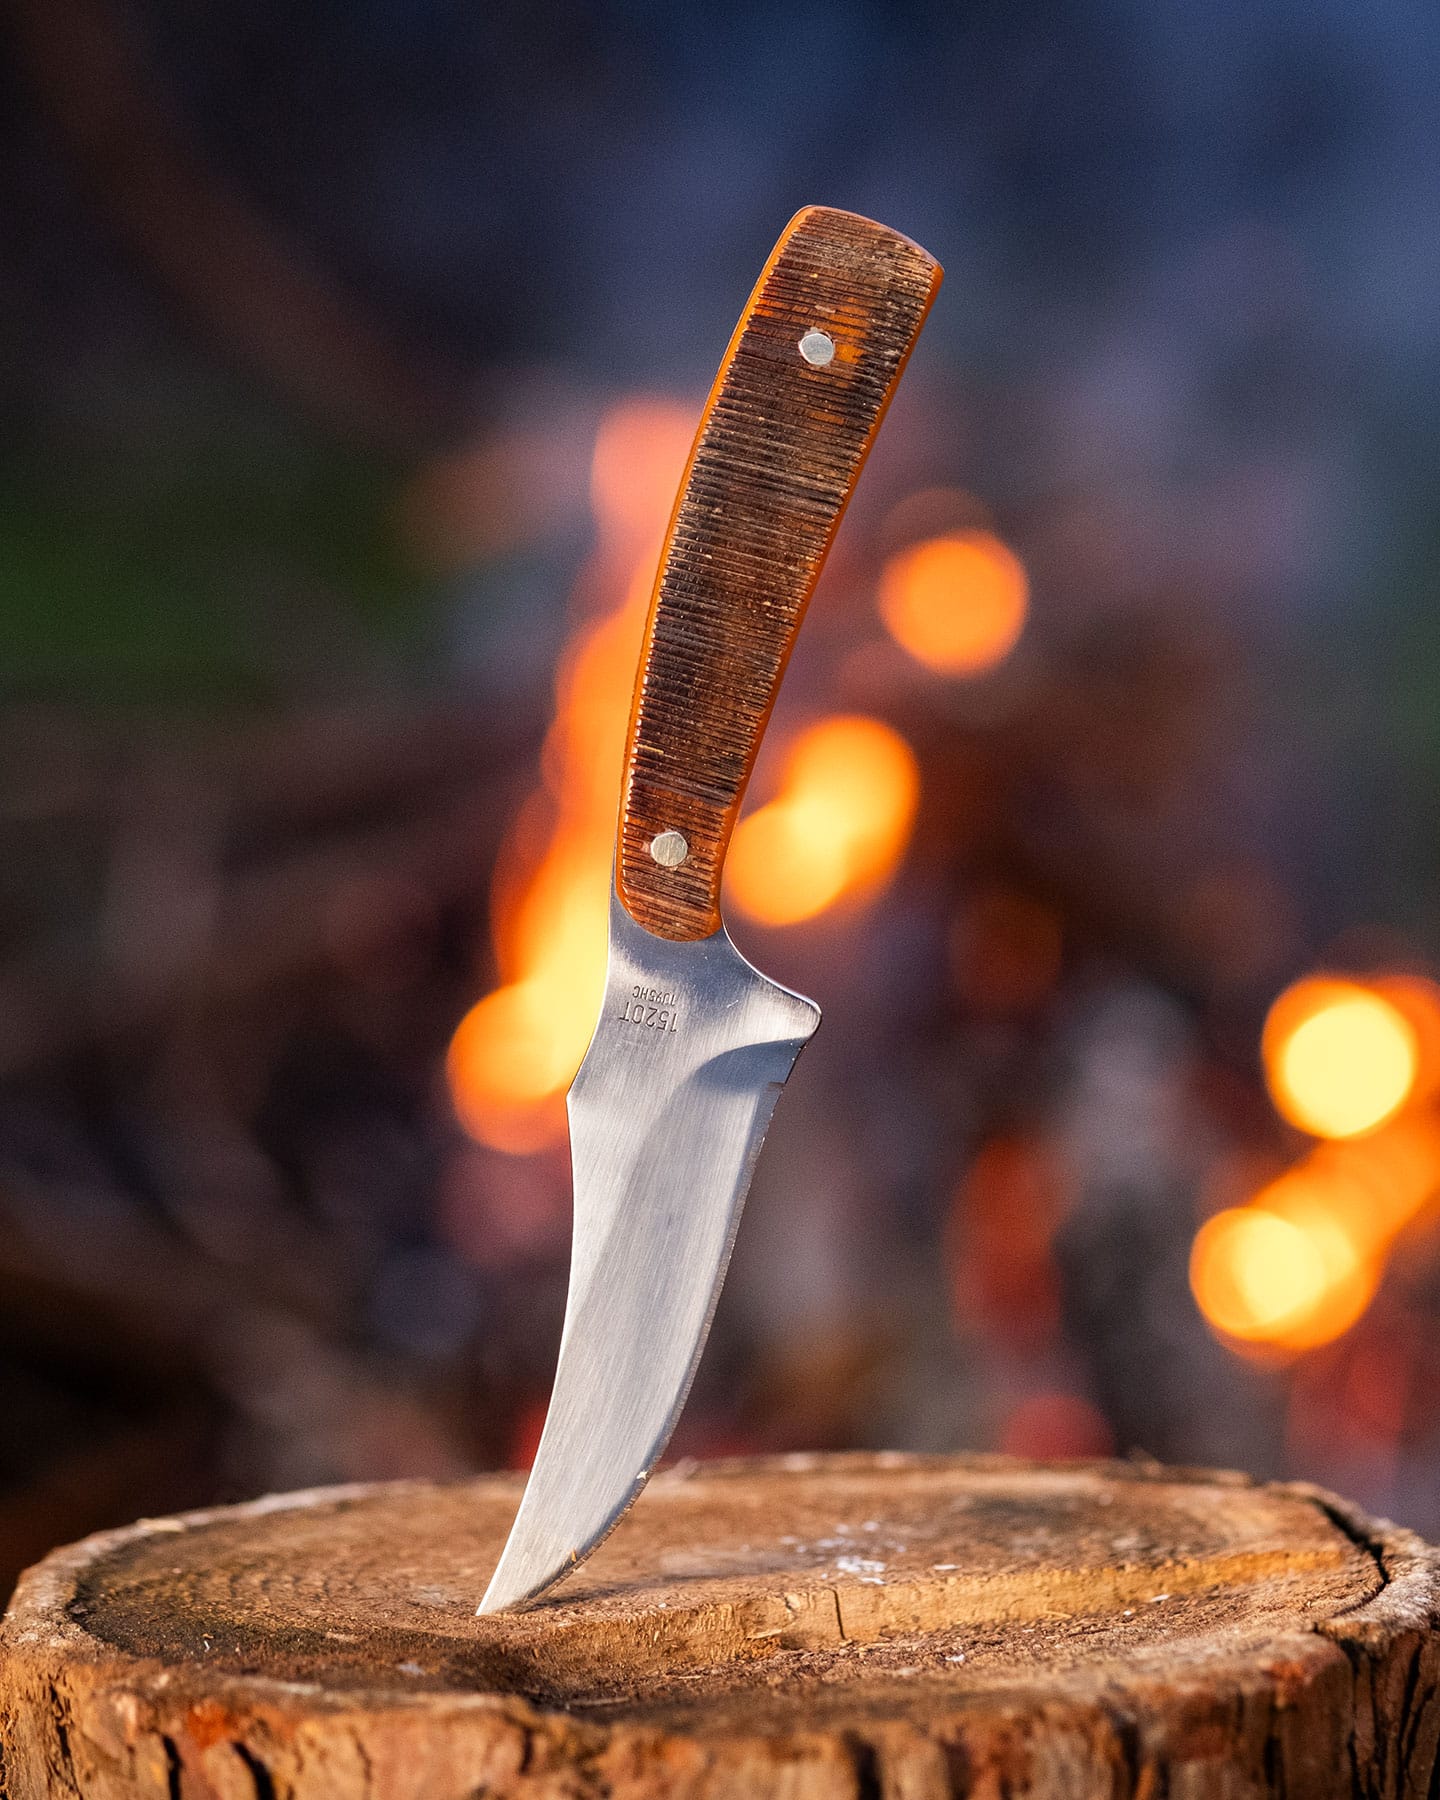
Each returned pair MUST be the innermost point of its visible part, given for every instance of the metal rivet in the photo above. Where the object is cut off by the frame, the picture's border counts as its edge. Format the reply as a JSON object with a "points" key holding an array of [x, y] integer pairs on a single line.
{"points": [[669, 849], [817, 347]]}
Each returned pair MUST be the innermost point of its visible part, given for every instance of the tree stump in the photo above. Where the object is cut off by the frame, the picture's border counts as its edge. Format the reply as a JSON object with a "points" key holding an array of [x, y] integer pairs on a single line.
{"points": [[864, 1626]]}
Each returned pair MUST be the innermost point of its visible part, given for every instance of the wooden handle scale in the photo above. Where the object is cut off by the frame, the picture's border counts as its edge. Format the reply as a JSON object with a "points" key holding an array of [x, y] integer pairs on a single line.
{"points": [[794, 409]]}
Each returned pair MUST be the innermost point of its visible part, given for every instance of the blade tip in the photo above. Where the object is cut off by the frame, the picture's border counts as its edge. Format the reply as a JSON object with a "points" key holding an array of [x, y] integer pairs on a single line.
{"points": [[497, 1603], [507, 1592], [504, 1596]]}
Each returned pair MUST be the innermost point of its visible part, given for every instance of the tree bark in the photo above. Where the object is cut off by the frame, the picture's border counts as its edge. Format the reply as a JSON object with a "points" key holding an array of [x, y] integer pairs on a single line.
{"points": [[878, 1627]]}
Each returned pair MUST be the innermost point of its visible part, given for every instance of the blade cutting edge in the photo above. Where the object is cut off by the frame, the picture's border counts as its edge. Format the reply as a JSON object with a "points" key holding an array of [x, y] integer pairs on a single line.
{"points": [[667, 1115]]}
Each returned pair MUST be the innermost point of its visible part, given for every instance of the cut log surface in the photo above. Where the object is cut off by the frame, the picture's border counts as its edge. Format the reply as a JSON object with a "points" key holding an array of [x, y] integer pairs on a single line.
{"points": [[880, 1627]]}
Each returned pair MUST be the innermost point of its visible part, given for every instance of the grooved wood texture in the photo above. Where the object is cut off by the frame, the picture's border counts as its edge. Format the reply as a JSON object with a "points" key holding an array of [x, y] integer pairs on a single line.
{"points": [[817, 1628], [777, 455]]}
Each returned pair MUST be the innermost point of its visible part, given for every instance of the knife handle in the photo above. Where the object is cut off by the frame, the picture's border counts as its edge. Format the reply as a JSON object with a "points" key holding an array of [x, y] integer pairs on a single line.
{"points": [[795, 407]]}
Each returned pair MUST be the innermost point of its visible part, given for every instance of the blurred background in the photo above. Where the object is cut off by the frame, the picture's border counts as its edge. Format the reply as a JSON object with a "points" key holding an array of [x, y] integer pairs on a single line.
{"points": [[348, 359]]}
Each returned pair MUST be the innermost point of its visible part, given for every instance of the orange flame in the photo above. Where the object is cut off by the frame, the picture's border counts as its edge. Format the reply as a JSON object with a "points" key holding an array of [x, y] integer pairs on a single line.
{"points": [[514, 1054], [839, 825], [957, 603], [1340, 1058]]}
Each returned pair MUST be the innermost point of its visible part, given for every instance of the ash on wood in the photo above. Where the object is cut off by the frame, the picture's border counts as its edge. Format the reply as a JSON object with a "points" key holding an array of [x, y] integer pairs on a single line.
{"points": [[883, 1626]]}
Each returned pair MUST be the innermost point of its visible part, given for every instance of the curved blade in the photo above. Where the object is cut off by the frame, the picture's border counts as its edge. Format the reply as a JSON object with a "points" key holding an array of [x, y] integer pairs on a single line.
{"points": [[667, 1115]]}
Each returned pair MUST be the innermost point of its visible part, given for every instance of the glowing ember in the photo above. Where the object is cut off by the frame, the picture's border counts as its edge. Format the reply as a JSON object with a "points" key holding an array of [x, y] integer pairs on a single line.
{"points": [[956, 603], [838, 827], [1340, 1059]]}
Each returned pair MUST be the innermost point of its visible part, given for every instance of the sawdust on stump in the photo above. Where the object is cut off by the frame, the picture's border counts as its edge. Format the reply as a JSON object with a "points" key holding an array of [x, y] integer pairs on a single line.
{"points": [[882, 1627]]}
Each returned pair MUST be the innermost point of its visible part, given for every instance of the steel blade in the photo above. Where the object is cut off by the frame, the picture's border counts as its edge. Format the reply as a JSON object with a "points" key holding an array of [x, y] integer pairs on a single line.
{"points": [[667, 1115]]}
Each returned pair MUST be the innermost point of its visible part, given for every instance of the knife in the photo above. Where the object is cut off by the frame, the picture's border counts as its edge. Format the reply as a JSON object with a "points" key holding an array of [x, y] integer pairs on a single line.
{"points": [[671, 1104]]}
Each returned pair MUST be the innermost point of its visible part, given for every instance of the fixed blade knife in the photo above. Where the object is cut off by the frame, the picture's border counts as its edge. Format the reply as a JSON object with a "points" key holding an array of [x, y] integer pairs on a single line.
{"points": [[672, 1101]]}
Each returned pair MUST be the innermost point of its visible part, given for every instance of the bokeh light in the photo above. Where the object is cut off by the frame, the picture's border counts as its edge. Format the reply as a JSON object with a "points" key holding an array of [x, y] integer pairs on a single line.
{"points": [[1418, 1000], [505, 1060], [1339, 1058], [641, 448], [957, 603], [1293, 1281], [1342, 1209], [838, 827], [1056, 1427]]}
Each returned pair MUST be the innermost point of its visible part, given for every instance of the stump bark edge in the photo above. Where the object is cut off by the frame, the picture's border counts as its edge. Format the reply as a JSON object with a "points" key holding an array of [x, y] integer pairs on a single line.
{"points": [[1293, 1650]]}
